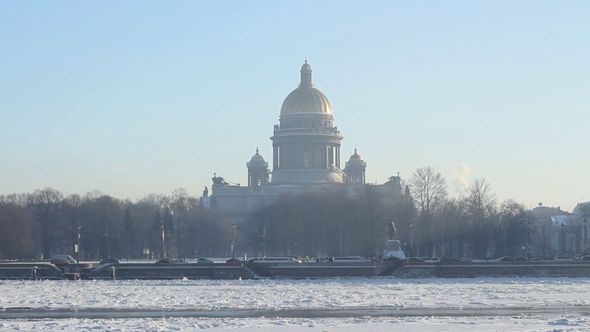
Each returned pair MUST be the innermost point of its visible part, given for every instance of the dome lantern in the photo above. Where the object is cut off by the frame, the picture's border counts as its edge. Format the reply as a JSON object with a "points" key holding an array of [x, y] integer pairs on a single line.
{"points": [[305, 76]]}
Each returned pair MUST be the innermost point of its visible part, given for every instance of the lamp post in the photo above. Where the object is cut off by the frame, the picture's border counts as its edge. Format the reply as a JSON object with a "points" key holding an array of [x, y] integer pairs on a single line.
{"points": [[410, 228], [171, 228], [585, 245], [163, 238], [562, 244], [528, 239], [264, 240], [544, 242], [233, 241], [339, 239], [77, 245], [106, 243]]}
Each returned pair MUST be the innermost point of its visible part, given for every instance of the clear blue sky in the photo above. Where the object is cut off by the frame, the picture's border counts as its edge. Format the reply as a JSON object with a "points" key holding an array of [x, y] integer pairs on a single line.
{"points": [[135, 97]]}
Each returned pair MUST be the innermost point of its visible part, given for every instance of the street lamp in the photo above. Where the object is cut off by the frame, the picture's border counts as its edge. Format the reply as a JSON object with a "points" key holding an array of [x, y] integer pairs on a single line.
{"points": [[162, 238], [77, 245], [339, 227], [544, 240], [264, 240], [563, 244], [410, 228], [106, 243], [585, 246], [528, 239], [233, 241]]}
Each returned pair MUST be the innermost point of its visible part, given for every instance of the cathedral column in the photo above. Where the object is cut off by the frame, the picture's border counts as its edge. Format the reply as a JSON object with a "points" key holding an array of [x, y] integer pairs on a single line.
{"points": [[275, 157], [317, 156], [282, 157]]}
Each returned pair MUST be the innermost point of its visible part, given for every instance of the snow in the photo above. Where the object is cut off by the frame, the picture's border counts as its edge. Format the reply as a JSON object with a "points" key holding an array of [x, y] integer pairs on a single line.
{"points": [[281, 294], [480, 324], [322, 294]]}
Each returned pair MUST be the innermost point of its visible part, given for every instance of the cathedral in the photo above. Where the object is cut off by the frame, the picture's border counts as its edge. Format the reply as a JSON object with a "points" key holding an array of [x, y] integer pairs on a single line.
{"points": [[306, 157]]}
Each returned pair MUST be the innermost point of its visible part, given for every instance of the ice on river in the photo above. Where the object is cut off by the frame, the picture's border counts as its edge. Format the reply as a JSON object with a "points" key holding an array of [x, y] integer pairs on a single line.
{"points": [[280, 294], [459, 324], [334, 294]]}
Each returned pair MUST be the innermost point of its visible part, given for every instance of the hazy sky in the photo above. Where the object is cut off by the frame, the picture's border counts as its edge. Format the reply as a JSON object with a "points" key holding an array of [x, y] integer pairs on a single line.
{"points": [[135, 97]]}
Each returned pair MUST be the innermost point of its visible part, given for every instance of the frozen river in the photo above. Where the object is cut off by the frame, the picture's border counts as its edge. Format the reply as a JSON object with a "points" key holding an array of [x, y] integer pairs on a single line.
{"points": [[359, 304]]}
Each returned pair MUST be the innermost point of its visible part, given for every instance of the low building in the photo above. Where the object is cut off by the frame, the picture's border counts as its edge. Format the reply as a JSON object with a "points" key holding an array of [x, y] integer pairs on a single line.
{"points": [[557, 232]]}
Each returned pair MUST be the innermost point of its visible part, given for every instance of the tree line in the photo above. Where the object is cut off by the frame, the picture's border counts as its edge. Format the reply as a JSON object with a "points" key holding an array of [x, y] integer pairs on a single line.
{"points": [[428, 223], [473, 225], [45, 222]]}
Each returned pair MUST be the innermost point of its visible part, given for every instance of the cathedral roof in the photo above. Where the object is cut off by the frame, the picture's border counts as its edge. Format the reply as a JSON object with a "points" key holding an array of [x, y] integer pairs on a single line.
{"points": [[355, 156], [306, 98], [355, 161], [257, 160]]}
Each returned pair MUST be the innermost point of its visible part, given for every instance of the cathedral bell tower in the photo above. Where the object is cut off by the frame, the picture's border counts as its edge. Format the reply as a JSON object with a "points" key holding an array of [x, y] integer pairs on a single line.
{"points": [[257, 171], [355, 169]]}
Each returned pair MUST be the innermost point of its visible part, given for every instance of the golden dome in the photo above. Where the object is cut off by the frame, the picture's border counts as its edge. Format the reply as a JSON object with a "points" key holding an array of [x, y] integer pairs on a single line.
{"points": [[306, 98]]}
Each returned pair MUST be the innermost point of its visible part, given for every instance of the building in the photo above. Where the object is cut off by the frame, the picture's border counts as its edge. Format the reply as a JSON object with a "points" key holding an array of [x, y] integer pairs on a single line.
{"points": [[582, 210], [557, 232], [306, 157]]}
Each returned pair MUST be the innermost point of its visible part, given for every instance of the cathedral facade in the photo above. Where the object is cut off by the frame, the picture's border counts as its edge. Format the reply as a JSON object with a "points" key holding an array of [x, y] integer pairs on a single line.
{"points": [[306, 157]]}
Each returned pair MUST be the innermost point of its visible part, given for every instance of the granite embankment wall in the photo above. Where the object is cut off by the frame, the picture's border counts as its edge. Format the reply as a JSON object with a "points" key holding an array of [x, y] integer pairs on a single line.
{"points": [[33, 271], [500, 269]]}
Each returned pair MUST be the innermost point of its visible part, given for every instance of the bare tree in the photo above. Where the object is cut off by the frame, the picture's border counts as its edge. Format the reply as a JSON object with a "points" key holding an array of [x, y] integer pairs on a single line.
{"points": [[428, 188], [16, 231], [480, 199], [46, 204], [480, 204]]}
